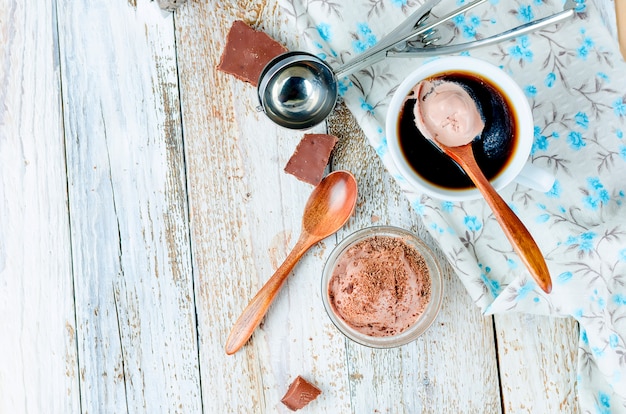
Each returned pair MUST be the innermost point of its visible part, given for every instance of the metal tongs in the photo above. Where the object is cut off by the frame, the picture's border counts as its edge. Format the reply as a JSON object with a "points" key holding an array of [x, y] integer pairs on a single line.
{"points": [[416, 30]]}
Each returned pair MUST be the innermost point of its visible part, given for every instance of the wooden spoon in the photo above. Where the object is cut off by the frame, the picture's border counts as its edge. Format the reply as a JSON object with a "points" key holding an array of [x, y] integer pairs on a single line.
{"points": [[457, 127], [328, 208], [620, 16]]}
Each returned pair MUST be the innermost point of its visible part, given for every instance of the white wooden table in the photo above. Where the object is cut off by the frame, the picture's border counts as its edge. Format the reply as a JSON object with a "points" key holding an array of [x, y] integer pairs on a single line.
{"points": [[143, 203]]}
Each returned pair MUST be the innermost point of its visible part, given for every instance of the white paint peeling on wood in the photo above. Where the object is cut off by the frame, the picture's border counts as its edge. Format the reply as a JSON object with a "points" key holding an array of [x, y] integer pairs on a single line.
{"points": [[38, 358], [537, 357], [225, 275], [135, 307], [104, 266]]}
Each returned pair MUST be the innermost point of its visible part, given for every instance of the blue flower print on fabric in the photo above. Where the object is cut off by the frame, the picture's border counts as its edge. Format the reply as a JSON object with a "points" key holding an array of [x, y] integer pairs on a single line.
{"points": [[399, 3], [512, 263], [585, 47], [555, 191], [619, 299], [473, 223], [525, 13], [366, 106], [540, 142], [580, 6], [467, 25], [578, 314], [598, 300], [324, 31], [382, 148], [365, 38], [564, 277], [492, 284], [543, 218], [436, 227], [583, 243], [597, 194], [582, 120], [575, 140], [603, 406], [550, 79], [524, 289], [419, 207], [530, 91], [597, 351], [447, 206], [583, 337], [522, 50], [619, 107], [343, 85]]}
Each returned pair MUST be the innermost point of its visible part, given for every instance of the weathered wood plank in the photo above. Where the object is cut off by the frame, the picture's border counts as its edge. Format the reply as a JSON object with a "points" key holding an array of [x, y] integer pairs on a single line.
{"points": [[246, 215], [130, 238], [538, 359], [38, 357], [128, 338], [434, 373]]}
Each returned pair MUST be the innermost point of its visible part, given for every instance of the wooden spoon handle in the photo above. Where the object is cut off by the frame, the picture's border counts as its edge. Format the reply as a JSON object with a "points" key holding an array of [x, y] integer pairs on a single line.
{"points": [[620, 16], [519, 236], [258, 306]]}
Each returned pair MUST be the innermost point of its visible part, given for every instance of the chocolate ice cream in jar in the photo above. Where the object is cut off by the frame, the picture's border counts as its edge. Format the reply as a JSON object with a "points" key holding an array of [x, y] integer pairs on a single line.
{"points": [[382, 287]]}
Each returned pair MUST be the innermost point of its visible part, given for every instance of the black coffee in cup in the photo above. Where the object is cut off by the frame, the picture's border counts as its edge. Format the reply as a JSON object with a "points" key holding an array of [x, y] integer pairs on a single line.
{"points": [[493, 149]]}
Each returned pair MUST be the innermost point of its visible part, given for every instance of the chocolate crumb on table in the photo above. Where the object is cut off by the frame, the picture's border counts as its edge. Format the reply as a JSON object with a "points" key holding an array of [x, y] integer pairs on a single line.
{"points": [[247, 51], [311, 157], [300, 393]]}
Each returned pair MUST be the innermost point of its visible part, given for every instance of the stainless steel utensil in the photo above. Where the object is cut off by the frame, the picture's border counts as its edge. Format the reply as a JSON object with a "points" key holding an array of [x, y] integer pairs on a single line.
{"points": [[298, 90], [432, 50]]}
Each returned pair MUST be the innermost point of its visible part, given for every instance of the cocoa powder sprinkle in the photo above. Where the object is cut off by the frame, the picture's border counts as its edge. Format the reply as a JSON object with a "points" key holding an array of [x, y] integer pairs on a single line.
{"points": [[380, 286]]}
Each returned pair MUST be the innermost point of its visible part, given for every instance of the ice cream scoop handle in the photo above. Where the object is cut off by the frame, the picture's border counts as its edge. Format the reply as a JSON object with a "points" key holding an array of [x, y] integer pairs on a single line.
{"points": [[518, 235], [258, 306]]}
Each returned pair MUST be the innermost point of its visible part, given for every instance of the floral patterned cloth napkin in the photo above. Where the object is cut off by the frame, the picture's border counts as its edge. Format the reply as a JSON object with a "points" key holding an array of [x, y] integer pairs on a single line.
{"points": [[574, 79]]}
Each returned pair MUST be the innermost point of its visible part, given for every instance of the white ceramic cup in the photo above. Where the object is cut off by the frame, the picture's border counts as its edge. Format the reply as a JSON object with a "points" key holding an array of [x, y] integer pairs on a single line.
{"points": [[517, 169]]}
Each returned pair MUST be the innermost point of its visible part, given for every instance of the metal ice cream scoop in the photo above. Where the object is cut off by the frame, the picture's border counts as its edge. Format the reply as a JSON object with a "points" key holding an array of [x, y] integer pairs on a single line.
{"points": [[298, 90]]}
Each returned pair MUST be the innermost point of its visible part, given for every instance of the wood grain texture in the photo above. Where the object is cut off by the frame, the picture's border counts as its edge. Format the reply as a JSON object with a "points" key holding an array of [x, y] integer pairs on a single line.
{"points": [[143, 202], [537, 357], [245, 215], [620, 18], [135, 308], [515, 231], [38, 356], [423, 374]]}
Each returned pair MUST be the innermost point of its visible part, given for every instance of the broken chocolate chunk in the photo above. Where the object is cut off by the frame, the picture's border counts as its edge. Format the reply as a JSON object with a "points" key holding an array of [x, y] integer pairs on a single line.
{"points": [[310, 157], [300, 393], [247, 51]]}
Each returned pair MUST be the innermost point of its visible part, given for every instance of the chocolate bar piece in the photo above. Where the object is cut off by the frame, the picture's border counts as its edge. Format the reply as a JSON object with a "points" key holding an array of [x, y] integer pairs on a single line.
{"points": [[310, 157], [247, 51], [300, 393]]}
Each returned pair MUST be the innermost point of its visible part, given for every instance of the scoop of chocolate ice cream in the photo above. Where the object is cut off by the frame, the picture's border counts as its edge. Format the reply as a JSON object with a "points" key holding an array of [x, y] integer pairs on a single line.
{"points": [[446, 113], [380, 286]]}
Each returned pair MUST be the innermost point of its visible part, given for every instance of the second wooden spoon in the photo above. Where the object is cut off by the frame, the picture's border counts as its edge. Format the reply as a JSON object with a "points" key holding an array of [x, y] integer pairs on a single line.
{"points": [[329, 207], [513, 228], [446, 114]]}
